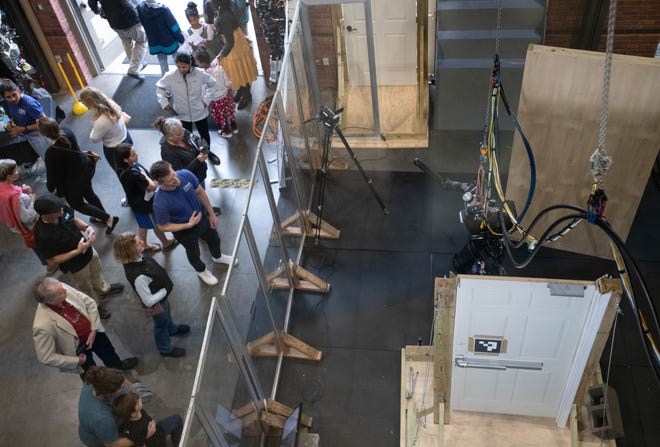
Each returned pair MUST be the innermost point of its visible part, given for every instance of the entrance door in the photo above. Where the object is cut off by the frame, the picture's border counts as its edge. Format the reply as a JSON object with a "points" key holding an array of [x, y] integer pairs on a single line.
{"points": [[395, 42], [105, 45], [530, 328]]}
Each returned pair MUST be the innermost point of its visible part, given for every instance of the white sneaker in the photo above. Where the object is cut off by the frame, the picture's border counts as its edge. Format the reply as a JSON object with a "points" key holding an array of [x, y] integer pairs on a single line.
{"points": [[208, 277], [224, 259], [224, 134]]}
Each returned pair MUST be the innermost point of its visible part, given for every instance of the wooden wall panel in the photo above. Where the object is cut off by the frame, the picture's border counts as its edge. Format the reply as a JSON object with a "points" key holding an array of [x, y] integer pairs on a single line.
{"points": [[559, 112]]}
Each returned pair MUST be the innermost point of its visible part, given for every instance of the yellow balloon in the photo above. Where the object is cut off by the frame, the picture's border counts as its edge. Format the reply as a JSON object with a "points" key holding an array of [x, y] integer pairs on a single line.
{"points": [[79, 108]]}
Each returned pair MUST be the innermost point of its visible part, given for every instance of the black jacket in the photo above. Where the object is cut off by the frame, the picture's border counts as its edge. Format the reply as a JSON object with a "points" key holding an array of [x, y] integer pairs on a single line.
{"points": [[68, 170], [120, 14]]}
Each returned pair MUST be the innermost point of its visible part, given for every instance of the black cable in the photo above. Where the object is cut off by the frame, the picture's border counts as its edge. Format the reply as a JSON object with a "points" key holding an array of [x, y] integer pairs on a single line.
{"points": [[626, 259], [535, 250], [624, 251], [648, 351], [517, 244]]}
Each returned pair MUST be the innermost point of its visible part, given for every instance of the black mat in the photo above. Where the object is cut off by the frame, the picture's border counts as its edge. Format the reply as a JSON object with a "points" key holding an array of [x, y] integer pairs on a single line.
{"points": [[381, 274], [138, 99]]}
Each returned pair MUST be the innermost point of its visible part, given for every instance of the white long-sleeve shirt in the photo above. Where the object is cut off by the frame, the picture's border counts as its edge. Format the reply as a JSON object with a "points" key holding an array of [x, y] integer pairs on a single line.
{"points": [[111, 134], [187, 92]]}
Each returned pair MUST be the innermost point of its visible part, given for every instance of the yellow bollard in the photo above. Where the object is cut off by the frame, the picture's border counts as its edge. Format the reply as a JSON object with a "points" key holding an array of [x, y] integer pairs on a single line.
{"points": [[75, 71], [78, 108]]}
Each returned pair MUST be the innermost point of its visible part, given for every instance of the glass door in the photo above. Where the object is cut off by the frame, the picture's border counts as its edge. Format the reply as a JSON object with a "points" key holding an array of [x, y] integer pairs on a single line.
{"points": [[104, 45]]}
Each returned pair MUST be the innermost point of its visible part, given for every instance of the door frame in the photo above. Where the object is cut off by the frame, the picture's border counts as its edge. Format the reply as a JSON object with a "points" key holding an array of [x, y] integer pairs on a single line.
{"points": [[371, 52]]}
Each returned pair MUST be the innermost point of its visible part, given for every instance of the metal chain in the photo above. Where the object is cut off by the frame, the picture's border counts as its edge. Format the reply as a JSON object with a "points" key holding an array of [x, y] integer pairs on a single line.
{"points": [[499, 26], [490, 87]]}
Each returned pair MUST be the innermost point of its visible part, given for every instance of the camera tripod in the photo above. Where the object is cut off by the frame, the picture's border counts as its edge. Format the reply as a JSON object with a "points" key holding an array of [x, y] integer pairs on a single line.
{"points": [[330, 119]]}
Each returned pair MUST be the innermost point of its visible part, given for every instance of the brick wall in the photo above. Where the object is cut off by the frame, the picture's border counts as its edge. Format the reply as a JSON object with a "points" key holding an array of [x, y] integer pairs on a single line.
{"points": [[57, 26], [637, 27], [323, 42]]}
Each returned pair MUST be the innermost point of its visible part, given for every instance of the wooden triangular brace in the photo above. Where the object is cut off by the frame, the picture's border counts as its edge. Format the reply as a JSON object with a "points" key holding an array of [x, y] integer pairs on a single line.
{"points": [[302, 279], [310, 221], [267, 346]]}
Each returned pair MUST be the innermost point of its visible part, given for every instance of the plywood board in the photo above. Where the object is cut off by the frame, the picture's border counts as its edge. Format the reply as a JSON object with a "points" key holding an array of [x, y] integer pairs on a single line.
{"points": [[399, 125], [559, 112], [471, 428]]}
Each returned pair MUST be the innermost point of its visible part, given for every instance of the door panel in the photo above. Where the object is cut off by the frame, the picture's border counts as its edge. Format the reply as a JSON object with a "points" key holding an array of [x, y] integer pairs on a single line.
{"points": [[395, 42], [536, 327]]}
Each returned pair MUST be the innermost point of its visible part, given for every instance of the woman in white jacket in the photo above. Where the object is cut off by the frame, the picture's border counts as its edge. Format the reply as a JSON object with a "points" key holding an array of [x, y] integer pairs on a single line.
{"points": [[186, 86]]}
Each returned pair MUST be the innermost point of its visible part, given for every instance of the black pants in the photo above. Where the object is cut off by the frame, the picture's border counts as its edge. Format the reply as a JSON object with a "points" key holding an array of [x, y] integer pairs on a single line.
{"points": [[202, 127], [103, 348], [109, 153], [87, 202], [189, 239]]}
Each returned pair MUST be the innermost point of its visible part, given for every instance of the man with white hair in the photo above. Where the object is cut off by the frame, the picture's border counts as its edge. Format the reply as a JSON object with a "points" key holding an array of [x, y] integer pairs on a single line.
{"points": [[67, 330]]}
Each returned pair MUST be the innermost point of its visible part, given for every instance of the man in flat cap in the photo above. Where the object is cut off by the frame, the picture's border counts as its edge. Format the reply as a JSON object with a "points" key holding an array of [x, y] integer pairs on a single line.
{"points": [[66, 242]]}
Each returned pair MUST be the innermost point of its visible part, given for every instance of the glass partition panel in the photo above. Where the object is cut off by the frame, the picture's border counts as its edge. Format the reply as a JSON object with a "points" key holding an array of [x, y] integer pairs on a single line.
{"points": [[243, 351], [224, 400], [197, 436]]}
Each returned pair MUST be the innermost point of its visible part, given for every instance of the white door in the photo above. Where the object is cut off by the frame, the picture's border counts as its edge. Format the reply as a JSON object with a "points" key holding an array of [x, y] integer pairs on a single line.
{"points": [[533, 328], [395, 42]]}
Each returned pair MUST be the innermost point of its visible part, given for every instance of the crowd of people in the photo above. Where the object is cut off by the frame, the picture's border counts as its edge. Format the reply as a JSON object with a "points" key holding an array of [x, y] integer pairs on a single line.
{"points": [[214, 68]]}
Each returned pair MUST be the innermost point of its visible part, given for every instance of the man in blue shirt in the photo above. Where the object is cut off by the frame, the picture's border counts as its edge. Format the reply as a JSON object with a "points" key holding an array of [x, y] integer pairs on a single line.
{"points": [[24, 111], [182, 207]]}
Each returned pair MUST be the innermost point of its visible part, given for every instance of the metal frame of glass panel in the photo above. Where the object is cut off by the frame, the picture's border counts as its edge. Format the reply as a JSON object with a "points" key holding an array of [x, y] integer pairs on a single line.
{"points": [[299, 68]]}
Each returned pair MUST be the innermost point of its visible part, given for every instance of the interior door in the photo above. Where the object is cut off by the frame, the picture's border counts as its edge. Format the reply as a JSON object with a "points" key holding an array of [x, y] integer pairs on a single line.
{"points": [[534, 329], [395, 42]]}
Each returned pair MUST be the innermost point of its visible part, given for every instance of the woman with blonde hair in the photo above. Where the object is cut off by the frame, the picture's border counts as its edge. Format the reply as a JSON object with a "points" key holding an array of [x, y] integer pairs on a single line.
{"points": [[109, 122]]}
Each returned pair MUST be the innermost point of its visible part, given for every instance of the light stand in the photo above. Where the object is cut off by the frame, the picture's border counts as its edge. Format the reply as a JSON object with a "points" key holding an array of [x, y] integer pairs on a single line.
{"points": [[330, 119]]}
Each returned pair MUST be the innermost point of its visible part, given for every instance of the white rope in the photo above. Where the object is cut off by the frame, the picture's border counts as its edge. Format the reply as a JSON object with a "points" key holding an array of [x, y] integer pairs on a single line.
{"points": [[600, 161]]}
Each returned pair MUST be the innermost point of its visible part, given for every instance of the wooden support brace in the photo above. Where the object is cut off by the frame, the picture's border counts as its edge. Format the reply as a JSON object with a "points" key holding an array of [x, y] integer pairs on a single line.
{"points": [[267, 346], [445, 298], [302, 279], [310, 221], [276, 407]]}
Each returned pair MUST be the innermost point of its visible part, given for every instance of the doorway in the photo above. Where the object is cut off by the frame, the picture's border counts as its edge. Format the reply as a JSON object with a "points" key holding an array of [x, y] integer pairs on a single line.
{"points": [[103, 43]]}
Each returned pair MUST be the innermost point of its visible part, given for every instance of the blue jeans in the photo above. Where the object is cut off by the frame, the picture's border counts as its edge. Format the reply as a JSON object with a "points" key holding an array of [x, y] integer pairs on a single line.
{"points": [[172, 425], [162, 61], [164, 327]]}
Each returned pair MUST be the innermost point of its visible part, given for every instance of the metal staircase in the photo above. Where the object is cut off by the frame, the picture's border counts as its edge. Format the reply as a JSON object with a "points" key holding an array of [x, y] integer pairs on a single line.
{"points": [[466, 36]]}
